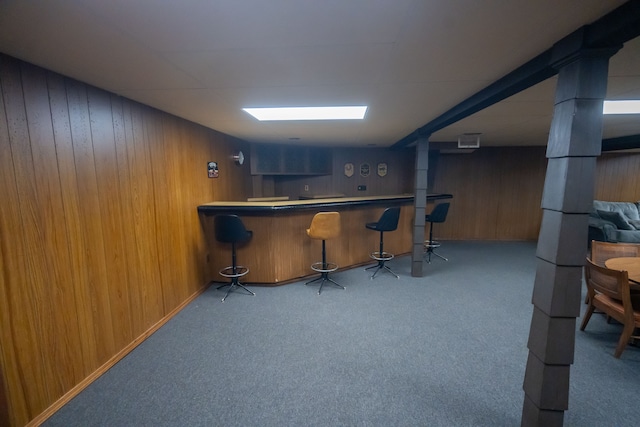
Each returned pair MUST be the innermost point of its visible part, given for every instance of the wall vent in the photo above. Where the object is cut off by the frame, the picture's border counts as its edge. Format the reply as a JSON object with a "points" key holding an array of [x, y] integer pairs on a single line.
{"points": [[469, 140]]}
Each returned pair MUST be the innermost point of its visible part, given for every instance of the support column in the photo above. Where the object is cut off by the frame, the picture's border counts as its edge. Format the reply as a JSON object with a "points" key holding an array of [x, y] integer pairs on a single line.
{"points": [[419, 205], [574, 144]]}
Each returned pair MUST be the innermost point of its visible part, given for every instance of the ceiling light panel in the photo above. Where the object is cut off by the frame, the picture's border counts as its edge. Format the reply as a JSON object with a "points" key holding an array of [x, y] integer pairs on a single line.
{"points": [[621, 107], [308, 113]]}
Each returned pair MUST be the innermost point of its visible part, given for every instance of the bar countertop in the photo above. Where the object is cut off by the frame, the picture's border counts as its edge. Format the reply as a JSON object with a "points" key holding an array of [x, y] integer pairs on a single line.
{"points": [[298, 205]]}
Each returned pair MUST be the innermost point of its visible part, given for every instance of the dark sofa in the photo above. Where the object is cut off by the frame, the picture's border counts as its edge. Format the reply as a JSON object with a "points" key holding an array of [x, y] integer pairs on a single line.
{"points": [[615, 222]]}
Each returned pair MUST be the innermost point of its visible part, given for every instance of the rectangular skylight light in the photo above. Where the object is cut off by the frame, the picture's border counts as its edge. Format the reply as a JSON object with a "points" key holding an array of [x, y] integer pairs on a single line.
{"points": [[308, 113], [621, 107]]}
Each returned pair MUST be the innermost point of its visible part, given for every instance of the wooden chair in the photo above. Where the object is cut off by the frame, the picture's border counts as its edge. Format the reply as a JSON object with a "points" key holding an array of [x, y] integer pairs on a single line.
{"points": [[608, 291], [602, 251]]}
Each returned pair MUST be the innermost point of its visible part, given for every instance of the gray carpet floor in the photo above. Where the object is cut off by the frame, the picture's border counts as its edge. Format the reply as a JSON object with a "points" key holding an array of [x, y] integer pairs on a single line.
{"points": [[447, 349]]}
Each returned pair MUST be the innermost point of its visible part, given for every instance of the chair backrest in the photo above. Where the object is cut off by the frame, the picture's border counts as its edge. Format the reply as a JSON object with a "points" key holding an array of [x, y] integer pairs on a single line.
{"points": [[612, 283], [389, 219], [439, 213], [602, 251], [230, 229], [324, 225]]}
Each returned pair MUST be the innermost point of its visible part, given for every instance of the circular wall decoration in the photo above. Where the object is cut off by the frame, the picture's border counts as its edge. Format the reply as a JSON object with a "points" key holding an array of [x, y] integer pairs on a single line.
{"points": [[382, 169], [348, 169], [364, 169]]}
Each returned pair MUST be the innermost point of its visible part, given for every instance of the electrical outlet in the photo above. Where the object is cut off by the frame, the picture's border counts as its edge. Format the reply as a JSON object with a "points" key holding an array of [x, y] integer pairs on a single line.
{"points": [[362, 188], [306, 187]]}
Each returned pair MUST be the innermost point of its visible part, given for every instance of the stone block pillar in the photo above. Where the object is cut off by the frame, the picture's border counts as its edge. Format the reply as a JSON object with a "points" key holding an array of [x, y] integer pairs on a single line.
{"points": [[574, 144], [419, 204]]}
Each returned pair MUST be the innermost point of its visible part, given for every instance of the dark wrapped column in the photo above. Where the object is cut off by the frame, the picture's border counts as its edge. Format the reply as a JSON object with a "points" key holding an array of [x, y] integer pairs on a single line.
{"points": [[574, 144], [420, 204]]}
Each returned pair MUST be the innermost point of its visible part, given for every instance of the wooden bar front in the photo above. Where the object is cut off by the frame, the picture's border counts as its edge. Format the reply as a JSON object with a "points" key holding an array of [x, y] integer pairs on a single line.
{"points": [[280, 250]]}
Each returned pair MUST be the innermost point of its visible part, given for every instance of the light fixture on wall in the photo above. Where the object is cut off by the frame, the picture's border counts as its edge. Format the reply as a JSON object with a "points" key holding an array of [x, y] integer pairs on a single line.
{"points": [[469, 140], [238, 158]]}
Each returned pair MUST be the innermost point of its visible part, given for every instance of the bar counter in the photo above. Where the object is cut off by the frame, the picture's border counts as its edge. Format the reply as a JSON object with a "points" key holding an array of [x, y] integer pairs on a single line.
{"points": [[280, 250]]}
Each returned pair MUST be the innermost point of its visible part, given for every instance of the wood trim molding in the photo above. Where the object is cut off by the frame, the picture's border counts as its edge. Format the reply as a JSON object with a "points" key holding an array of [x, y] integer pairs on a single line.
{"points": [[111, 362]]}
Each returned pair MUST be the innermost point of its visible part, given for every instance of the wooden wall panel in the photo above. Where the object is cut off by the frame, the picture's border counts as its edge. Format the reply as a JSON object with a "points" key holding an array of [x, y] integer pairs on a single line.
{"points": [[75, 266], [100, 239], [618, 177], [17, 332], [496, 193]]}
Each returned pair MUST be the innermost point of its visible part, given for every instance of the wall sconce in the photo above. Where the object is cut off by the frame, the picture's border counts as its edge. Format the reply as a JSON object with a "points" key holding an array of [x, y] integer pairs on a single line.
{"points": [[238, 158]]}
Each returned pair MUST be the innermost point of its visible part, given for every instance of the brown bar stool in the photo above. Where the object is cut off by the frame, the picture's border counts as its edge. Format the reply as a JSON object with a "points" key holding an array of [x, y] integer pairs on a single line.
{"points": [[388, 222], [324, 226], [230, 229], [437, 215]]}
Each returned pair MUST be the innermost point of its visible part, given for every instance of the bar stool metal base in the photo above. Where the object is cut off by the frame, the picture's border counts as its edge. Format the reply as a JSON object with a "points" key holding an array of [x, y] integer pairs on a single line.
{"points": [[429, 246], [234, 284], [381, 257], [324, 269]]}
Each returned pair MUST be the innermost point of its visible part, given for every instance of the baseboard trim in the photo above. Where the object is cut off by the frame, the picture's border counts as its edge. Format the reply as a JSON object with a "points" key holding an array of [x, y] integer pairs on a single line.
{"points": [[38, 420]]}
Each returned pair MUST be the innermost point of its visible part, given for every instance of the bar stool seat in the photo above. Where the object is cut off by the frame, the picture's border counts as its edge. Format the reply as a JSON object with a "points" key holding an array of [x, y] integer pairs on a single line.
{"points": [[324, 226], [230, 229], [437, 215], [388, 221]]}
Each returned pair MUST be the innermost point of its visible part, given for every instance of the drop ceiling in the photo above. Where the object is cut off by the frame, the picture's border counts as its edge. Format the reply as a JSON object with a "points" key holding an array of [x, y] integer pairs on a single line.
{"points": [[408, 60]]}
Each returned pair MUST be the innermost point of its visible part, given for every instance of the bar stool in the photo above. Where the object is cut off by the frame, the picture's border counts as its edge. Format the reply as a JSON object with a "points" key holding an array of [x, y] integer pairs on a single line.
{"points": [[388, 222], [230, 229], [324, 226], [437, 215]]}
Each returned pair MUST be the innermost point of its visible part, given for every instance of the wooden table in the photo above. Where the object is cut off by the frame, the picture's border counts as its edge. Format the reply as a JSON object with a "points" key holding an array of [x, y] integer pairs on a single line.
{"points": [[629, 264]]}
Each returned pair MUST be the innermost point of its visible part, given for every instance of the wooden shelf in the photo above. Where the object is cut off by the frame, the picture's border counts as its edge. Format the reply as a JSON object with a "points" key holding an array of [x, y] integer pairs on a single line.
{"points": [[274, 159]]}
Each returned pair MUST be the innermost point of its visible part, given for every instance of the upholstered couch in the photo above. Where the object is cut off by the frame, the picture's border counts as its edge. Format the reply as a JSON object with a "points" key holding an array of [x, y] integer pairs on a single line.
{"points": [[615, 222]]}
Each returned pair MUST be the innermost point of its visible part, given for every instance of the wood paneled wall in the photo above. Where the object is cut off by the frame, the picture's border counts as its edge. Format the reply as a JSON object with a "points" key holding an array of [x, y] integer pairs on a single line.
{"points": [[498, 190], [618, 177], [399, 178], [100, 239], [496, 193]]}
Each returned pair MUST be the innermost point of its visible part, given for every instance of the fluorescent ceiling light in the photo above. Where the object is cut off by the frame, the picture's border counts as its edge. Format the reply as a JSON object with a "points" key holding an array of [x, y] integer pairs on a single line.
{"points": [[621, 107], [308, 113]]}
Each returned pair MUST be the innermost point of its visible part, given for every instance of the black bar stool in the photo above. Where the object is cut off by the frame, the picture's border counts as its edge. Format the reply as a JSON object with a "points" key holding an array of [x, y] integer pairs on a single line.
{"points": [[437, 215], [230, 229], [388, 222], [324, 226]]}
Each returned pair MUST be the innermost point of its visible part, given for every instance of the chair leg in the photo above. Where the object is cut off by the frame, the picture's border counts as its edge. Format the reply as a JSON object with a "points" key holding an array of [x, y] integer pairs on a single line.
{"points": [[325, 278], [381, 262], [587, 316], [379, 266], [324, 275], [430, 247], [624, 340], [234, 284]]}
